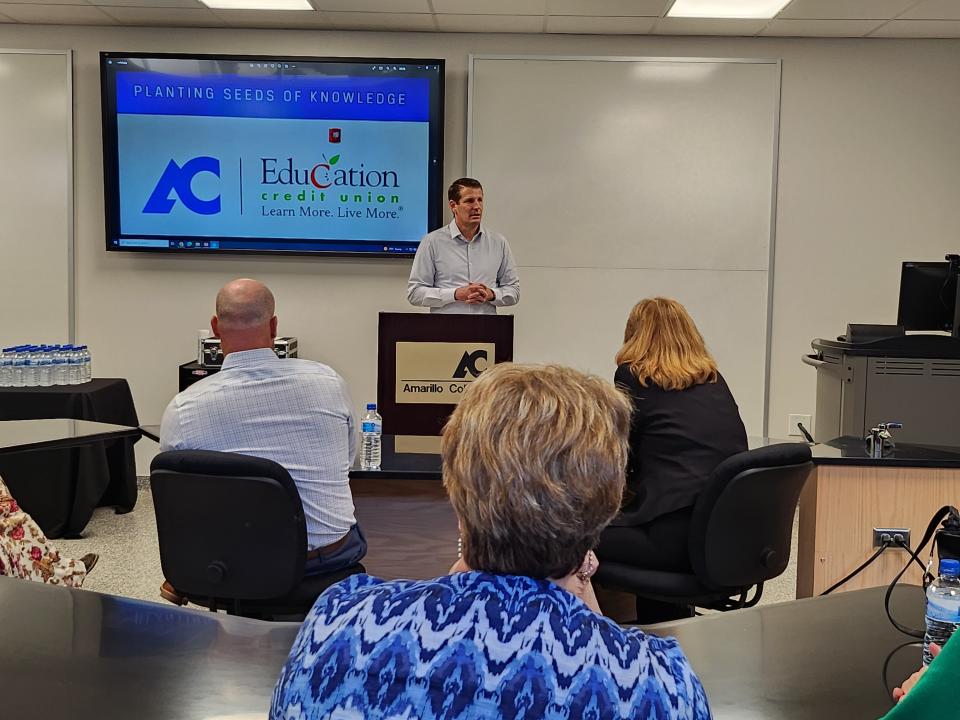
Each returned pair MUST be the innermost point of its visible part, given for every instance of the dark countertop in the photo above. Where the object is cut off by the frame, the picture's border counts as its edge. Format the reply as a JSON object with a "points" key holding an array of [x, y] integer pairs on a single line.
{"points": [[849, 450], [418, 458], [74, 654], [823, 658]]}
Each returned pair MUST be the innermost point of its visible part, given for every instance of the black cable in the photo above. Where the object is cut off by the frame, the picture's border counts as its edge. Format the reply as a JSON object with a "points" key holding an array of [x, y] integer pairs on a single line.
{"points": [[886, 668], [945, 512], [883, 546], [905, 629], [913, 556]]}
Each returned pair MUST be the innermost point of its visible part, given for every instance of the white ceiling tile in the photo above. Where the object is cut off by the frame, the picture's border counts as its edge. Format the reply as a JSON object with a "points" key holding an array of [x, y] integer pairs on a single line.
{"points": [[368, 6], [491, 23], [845, 9], [276, 19], [580, 25], [708, 26], [56, 14], [6, 19], [149, 3], [382, 21], [933, 10], [490, 7], [821, 28], [912, 29], [608, 8], [166, 17]]}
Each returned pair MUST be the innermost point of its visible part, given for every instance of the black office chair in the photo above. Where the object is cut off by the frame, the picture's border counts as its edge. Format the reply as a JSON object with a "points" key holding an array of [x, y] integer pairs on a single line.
{"points": [[740, 535], [232, 535]]}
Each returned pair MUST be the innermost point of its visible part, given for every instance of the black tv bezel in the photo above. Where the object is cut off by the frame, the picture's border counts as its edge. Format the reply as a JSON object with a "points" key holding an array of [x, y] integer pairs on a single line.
{"points": [[111, 169]]}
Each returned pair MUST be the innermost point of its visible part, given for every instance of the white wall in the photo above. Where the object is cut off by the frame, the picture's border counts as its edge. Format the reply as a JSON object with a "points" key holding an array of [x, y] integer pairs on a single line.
{"points": [[869, 165], [36, 206]]}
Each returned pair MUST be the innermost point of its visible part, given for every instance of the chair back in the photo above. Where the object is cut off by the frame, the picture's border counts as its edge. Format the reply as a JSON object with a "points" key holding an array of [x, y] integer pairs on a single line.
{"points": [[742, 523], [229, 525]]}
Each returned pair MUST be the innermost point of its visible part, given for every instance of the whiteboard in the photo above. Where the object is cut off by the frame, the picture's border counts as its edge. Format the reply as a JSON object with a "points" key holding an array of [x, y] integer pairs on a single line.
{"points": [[36, 197], [616, 179]]}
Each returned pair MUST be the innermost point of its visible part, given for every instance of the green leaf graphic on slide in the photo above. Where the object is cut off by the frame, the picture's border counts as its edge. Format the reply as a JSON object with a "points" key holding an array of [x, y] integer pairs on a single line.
{"points": [[334, 160]]}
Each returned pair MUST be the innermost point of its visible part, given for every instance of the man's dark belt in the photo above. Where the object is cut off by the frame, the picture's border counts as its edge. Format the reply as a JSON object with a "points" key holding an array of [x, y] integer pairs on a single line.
{"points": [[328, 549]]}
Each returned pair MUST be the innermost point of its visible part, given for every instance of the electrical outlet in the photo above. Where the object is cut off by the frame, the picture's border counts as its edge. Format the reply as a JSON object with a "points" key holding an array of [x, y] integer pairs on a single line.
{"points": [[792, 421], [890, 533]]}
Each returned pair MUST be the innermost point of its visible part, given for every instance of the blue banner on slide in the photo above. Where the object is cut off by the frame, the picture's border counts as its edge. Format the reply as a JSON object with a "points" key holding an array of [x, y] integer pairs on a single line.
{"points": [[293, 97]]}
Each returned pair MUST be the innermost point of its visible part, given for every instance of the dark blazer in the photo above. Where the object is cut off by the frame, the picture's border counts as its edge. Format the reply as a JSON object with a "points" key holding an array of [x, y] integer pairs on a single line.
{"points": [[677, 438]]}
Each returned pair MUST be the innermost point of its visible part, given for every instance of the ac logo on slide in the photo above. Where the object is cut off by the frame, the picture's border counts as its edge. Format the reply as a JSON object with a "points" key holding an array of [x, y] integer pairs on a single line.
{"points": [[179, 179], [468, 364]]}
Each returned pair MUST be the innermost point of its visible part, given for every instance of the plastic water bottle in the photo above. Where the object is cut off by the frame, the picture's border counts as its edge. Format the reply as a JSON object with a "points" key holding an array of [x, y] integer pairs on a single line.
{"points": [[6, 367], [371, 426], [74, 362], [59, 367], [943, 607], [30, 375], [44, 366], [86, 364], [19, 363]]}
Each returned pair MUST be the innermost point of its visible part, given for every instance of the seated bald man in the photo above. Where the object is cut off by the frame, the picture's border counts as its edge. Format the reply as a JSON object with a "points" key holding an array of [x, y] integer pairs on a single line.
{"points": [[295, 412]]}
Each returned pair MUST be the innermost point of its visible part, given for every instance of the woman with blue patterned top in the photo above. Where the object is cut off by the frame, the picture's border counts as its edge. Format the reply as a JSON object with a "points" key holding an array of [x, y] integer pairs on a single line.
{"points": [[533, 461]]}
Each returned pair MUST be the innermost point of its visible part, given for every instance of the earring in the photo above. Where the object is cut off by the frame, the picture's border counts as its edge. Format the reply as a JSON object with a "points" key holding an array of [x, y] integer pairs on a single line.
{"points": [[586, 570], [459, 547]]}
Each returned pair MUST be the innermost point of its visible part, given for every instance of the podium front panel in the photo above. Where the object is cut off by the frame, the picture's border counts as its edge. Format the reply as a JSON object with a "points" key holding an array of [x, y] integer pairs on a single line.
{"points": [[427, 361]]}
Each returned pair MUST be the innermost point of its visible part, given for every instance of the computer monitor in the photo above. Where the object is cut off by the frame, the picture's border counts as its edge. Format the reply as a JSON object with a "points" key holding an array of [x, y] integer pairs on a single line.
{"points": [[928, 296]]}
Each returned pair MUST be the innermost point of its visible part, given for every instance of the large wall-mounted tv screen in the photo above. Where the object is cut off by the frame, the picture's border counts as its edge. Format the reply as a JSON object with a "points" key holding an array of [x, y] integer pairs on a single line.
{"points": [[213, 154]]}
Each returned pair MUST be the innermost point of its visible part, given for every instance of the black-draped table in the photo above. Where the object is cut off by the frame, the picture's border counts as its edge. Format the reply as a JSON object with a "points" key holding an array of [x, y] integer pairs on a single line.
{"points": [[60, 487]]}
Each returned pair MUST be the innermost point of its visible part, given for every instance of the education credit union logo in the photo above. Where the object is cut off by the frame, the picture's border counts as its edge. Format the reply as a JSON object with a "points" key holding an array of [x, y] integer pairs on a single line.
{"points": [[179, 179]]}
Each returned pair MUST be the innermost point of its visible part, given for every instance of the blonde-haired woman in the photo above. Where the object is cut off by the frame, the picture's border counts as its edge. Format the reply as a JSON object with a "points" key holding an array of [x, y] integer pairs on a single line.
{"points": [[533, 460], [685, 423]]}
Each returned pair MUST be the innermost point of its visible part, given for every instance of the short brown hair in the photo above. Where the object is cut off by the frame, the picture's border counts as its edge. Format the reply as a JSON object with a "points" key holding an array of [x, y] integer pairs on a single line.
{"points": [[533, 461], [456, 187], [661, 343]]}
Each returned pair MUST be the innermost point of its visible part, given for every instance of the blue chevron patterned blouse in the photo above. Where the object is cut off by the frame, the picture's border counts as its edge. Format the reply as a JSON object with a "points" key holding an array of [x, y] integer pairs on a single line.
{"points": [[473, 645]]}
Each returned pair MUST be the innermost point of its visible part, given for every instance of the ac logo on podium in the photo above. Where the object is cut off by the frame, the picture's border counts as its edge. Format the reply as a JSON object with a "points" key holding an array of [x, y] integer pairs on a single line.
{"points": [[439, 372]]}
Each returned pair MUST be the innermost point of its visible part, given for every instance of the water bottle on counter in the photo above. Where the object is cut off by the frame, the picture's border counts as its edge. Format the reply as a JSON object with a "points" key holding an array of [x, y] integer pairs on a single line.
{"points": [[74, 365], [58, 369], [44, 366], [371, 426], [86, 364], [19, 363], [6, 367], [943, 607], [30, 375]]}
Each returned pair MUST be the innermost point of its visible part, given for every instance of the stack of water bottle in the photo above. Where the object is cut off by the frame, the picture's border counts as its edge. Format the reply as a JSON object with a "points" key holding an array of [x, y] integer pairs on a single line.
{"points": [[45, 365], [943, 607]]}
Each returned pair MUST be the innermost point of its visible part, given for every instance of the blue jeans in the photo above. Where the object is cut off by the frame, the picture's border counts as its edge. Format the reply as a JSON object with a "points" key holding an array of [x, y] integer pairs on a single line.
{"points": [[350, 553]]}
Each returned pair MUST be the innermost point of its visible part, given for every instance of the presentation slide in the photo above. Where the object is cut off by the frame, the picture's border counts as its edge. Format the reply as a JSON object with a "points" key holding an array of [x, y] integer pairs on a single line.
{"points": [[287, 162]]}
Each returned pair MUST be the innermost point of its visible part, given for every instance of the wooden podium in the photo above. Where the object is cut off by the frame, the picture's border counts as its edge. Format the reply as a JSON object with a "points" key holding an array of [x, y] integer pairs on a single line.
{"points": [[425, 362]]}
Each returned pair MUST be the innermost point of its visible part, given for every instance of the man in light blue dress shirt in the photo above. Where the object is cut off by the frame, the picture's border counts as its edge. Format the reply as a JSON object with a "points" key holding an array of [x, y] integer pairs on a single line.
{"points": [[295, 412], [464, 267]]}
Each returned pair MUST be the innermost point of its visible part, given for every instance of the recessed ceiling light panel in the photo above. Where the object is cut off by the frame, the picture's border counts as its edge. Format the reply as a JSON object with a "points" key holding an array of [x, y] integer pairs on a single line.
{"points": [[726, 8], [258, 4]]}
